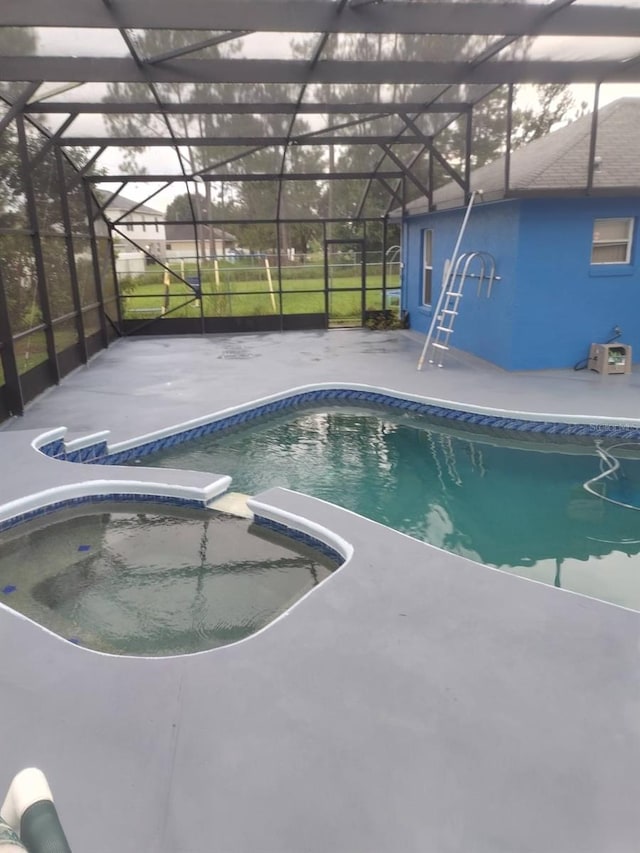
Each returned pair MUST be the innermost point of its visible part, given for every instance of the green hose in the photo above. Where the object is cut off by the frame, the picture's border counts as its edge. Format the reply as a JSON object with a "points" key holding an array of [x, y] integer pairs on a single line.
{"points": [[41, 830]]}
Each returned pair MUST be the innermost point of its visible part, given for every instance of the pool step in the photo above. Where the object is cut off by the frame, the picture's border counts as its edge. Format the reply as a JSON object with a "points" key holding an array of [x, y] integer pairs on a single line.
{"points": [[234, 503]]}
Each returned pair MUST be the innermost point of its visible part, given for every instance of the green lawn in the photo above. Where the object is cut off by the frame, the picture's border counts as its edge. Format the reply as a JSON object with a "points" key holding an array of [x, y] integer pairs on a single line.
{"points": [[251, 298]]}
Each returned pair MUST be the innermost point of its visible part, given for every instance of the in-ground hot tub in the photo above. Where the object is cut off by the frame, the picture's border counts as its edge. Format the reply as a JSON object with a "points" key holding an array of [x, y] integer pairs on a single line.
{"points": [[151, 580]]}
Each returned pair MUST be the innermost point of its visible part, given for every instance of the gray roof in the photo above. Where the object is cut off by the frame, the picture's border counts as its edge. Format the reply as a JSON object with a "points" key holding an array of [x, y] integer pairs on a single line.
{"points": [[180, 231], [559, 161], [121, 203]]}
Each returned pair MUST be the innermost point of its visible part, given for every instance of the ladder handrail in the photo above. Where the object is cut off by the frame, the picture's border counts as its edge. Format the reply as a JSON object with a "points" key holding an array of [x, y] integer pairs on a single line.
{"points": [[397, 249], [492, 269], [470, 258], [456, 270], [464, 260], [447, 277]]}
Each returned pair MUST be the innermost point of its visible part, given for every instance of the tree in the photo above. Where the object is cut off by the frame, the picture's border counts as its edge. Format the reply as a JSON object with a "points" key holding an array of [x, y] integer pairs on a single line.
{"points": [[553, 105], [179, 208], [246, 200], [545, 107]]}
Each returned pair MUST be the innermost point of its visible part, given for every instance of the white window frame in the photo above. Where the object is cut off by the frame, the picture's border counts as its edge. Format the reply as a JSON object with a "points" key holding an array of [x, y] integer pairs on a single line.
{"points": [[427, 265], [626, 241]]}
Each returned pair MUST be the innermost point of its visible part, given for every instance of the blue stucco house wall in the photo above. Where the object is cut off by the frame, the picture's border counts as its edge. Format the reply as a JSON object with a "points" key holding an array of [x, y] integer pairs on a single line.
{"points": [[551, 302]]}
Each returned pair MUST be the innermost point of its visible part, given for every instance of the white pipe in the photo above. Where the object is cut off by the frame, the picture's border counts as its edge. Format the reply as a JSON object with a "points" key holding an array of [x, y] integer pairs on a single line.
{"points": [[29, 786], [447, 277], [614, 465]]}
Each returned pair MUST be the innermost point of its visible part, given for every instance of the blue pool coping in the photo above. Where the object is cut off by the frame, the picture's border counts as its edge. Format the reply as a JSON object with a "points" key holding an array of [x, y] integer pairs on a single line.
{"points": [[287, 530], [301, 537], [99, 452], [107, 497]]}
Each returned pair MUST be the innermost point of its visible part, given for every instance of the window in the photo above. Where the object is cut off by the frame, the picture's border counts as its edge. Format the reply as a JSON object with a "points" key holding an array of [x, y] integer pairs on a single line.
{"points": [[427, 252], [129, 227], [611, 241], [168, 247], [157, 229]]}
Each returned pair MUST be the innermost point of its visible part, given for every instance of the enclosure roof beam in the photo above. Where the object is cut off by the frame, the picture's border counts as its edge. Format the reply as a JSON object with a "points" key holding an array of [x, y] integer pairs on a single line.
{"points": [[226, 141], [17, 106], [394, 193], [477, 18], [195, 47], [227, 179], [362, 108], [406, 171], [118, 70], [453, 174], [49, 143], [80, 173]]}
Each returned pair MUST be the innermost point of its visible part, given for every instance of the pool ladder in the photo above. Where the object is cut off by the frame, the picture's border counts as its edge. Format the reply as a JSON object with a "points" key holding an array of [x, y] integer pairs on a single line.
{"points": [[448, 306]]}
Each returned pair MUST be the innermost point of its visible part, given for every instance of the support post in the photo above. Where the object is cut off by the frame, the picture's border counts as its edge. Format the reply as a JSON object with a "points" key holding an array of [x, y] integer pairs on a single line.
{"points": [[13, 388], [34, 227], [71, 260], [97, 272]]}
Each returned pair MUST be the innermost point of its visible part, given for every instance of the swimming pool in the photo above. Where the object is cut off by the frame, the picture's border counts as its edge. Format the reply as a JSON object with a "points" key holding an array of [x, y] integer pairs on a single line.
{"points": [[519, 506], [147, 580]]}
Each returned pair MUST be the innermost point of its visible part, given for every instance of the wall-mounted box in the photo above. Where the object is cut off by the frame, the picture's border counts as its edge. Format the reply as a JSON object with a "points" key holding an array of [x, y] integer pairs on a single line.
{"points": [[610, 358]]}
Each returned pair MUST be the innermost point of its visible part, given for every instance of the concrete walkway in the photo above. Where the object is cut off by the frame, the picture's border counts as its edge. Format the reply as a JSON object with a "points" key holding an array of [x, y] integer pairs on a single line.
{"points": [[415, 701]]}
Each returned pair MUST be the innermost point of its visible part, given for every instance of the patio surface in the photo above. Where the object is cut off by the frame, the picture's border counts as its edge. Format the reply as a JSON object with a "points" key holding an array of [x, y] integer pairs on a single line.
{"points": [[415, 701]]}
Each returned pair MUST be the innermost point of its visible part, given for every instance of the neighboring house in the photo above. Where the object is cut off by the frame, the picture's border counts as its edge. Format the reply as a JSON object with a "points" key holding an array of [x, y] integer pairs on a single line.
{"points": [[567, 256], [212, 242], [144, 226]]}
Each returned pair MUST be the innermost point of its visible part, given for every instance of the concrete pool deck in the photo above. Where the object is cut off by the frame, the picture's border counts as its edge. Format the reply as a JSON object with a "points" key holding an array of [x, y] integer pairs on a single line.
{"points": [[413, 702]]}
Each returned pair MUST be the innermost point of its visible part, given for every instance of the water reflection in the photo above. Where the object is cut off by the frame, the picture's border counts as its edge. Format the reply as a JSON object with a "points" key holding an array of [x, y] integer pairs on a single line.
{"points": [[520, 508]]}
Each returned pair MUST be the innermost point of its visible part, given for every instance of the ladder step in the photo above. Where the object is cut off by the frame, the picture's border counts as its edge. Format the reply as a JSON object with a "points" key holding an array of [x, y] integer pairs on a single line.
{"points": [[439, 346], [448, 311], [444, 329], [455, 294]]}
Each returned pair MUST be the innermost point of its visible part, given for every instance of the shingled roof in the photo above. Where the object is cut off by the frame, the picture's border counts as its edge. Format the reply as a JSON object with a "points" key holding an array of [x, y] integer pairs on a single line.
{"points": [[179, 231], [121, 203], [559, 161]]}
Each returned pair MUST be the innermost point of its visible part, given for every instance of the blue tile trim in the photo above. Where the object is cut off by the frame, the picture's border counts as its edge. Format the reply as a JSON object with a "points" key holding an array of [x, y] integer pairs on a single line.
{"points": [[97, 453], [54, 448], [94, 499], [298, 536]]}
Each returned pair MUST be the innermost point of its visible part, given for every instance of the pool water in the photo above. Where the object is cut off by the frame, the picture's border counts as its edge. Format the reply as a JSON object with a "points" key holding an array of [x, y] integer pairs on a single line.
{"points": [[144, 580], [517, 506]]}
